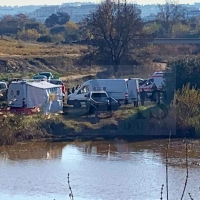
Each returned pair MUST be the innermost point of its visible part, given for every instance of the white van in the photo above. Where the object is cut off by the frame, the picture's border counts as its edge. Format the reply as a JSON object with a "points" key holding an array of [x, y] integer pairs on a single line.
{"points": [[116, 88]]}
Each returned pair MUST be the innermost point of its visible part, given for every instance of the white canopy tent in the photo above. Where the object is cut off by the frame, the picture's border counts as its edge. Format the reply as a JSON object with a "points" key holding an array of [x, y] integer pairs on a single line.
{"points": [[45, 95]]}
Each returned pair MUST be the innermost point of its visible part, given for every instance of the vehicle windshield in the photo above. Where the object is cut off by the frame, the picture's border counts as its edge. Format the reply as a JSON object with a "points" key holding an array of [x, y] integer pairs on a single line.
{"points": [[56, 82], [2, 86], [48, 75], [99, 96], [40, 77]]}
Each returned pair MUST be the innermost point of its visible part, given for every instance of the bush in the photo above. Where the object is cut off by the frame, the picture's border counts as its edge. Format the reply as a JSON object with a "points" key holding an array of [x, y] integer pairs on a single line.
{"points": [[28, 35], [187, 103], [45, 38]]}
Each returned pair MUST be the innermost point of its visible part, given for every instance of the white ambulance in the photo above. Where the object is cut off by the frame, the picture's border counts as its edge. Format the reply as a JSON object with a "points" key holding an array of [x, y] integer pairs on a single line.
{"points": [[157, 78]]}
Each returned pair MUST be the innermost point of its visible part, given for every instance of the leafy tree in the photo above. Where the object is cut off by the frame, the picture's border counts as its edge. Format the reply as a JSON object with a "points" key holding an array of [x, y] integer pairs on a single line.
{"points": [[28, 35], [57, 29], [12, 24], [59, 18], [39, 27], [179, 30], [72, 26], [180, 73], [58, 38], [169, 14], [114, 28], [72, 31], [151, 28]]}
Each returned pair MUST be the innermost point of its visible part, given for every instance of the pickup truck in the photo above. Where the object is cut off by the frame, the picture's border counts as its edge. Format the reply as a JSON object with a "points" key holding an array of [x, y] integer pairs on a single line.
{"points": [[99, 101]]}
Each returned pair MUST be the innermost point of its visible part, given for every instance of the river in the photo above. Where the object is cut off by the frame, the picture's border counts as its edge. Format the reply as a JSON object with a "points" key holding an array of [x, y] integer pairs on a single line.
{"points": [[101, 170]]}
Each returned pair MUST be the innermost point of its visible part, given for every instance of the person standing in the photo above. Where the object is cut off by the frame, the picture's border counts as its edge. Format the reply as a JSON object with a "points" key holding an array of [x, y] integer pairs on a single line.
{"points": [[142, 97], [154, 91], [68, 91]]}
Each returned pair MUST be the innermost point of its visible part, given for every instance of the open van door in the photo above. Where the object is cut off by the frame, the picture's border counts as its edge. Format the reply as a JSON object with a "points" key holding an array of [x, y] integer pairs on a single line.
{"points": [[17, 94], [133, 89]]}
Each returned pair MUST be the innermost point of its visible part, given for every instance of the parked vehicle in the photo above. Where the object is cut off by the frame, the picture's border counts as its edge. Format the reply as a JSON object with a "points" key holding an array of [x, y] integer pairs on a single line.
{"points": [[99, 101], [115, 88], [49, 75], [35, 94], [157, 78], [40, 77], [3, 86], [3, 90], [56, 81]]}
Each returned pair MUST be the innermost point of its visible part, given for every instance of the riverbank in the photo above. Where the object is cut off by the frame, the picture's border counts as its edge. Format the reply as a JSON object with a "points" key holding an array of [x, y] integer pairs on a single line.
{"points": [[74, 124]]}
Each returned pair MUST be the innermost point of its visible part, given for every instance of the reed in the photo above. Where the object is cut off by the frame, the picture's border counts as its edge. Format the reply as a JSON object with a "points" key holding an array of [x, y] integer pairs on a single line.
{"points": [[70, 189]]}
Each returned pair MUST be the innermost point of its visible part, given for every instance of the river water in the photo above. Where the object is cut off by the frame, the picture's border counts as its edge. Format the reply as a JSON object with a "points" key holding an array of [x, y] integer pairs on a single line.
{"points": [[101, 170]]}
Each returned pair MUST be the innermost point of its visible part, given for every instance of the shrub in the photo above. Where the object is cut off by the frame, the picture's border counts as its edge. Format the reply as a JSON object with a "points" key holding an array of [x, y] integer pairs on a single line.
{"points": [[45, 38], [187, 103]]}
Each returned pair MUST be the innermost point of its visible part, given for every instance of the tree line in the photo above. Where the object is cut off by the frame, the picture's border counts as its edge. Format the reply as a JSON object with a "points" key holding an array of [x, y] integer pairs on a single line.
{"points": [[114, 30], [56, 28]]}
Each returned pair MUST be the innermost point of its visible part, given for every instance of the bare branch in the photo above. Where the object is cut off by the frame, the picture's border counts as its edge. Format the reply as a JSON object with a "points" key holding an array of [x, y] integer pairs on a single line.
{"points": [[70, 194], [186, 163], [161, 192], [167, 149]]}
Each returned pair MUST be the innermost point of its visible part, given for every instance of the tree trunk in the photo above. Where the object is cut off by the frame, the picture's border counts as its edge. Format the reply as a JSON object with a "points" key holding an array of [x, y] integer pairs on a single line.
{"points": [[115, 66]]}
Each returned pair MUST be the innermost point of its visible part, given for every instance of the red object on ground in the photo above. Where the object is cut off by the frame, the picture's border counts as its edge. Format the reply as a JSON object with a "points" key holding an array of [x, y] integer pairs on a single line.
{"points": [[20, 111]]}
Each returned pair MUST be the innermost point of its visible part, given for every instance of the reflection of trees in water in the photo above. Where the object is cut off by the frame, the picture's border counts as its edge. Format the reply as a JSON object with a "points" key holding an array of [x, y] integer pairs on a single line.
{"points": [[104, 147], [32, 150], [176, 151], [152, 148]]}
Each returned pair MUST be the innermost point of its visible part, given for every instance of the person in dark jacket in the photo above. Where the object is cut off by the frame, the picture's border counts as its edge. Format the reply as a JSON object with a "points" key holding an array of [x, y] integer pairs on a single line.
{"points": [[73, 90], [142, 97], [68, 91], [154, 92]]}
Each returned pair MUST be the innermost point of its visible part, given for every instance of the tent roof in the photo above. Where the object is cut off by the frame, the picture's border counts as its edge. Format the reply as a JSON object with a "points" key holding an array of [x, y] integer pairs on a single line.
{"points": [[43, 85]]}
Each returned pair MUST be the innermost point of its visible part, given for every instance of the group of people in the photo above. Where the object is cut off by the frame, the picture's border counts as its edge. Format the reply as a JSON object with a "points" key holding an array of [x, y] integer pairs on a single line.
{"points": [[70, 91], [143, 94]]}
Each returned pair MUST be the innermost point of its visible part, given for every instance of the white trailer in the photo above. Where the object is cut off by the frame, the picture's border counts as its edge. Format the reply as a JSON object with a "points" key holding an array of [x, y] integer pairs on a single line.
{"points": [[35, 94]]}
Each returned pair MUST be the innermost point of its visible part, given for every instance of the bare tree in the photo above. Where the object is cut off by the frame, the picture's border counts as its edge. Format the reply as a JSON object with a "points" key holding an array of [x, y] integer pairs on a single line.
{"points": [[169, 14], [114, 27]]}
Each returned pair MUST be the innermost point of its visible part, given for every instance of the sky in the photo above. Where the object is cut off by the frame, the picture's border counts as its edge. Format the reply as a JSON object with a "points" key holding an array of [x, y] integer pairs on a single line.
{"points": [[58, 2]]}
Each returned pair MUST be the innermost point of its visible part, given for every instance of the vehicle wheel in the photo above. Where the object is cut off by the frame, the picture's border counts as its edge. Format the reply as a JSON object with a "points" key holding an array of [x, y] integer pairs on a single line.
{"points": [[76, 104]]}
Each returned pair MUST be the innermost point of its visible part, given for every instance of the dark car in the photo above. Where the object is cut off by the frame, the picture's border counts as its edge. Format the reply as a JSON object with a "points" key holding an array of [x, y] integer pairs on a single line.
{"points": [[100, 101], [56, 81], [40, 77], [49, 75]]}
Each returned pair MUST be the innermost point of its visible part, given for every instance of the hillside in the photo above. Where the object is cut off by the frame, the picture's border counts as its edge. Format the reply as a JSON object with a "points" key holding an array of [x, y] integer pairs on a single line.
{"points": [[21, 59]]}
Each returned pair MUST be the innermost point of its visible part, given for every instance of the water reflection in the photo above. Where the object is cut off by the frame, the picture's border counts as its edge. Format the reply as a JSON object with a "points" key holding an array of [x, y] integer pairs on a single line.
{"points": [[33, 150], [100, 170]]}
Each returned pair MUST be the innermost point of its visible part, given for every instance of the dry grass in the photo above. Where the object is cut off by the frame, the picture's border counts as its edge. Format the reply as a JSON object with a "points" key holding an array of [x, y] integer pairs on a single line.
{"points": [[19, 48]]}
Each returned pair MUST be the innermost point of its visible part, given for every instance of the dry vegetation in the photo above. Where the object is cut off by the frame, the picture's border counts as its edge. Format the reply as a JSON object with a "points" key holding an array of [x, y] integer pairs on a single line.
{"points": [[10, 47], [20, 128]]}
